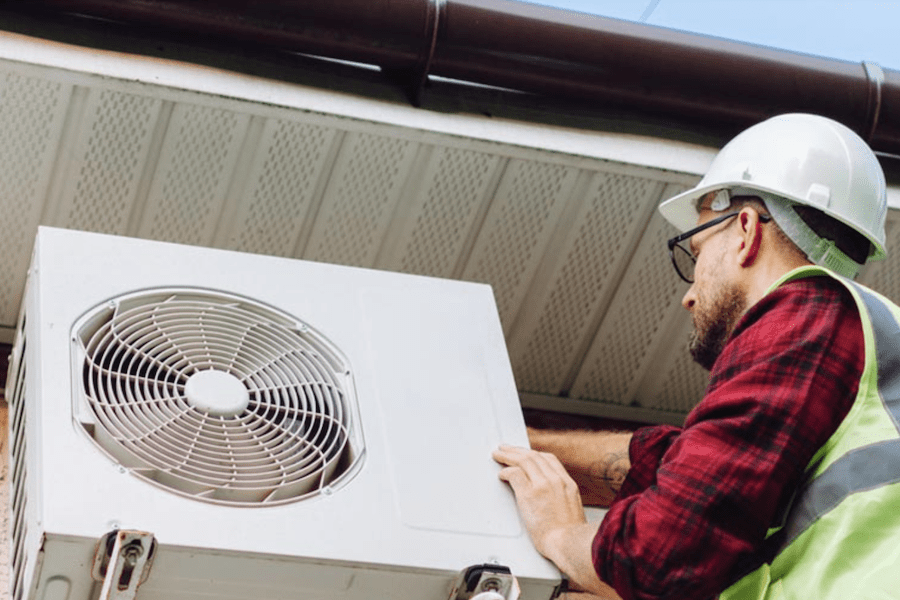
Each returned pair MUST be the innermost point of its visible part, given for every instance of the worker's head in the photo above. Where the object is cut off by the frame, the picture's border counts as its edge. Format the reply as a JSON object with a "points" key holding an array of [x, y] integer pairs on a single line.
{"points": [[793, 190]]}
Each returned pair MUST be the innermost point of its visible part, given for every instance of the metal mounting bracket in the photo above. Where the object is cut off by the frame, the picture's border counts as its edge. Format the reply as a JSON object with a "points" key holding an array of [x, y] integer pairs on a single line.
{"points": [[486, 582], [122, 562]]}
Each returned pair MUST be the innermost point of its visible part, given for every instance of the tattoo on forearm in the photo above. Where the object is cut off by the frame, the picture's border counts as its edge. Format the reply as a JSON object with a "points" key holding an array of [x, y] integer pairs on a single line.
{"points": [[611, 469]]}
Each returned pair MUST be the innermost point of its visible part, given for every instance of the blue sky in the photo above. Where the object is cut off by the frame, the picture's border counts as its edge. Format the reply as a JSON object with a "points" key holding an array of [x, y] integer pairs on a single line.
{"points": [[849, 30]]}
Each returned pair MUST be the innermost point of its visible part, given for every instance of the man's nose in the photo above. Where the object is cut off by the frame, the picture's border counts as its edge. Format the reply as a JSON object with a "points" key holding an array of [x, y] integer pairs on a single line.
{"points": [[689, 299]]}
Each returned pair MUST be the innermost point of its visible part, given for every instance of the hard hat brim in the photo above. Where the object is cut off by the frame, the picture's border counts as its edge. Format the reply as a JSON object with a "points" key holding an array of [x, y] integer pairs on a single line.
{"points": [[681, 212]]}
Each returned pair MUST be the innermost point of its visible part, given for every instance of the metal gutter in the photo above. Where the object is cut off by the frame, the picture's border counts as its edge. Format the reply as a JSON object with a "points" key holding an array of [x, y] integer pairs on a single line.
{"points": [[550, 52]]}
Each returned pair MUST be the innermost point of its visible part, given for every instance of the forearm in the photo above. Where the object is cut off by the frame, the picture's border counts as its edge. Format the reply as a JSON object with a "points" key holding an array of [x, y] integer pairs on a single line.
{"points": [[569, 550], [552, 513], [597, 460]]}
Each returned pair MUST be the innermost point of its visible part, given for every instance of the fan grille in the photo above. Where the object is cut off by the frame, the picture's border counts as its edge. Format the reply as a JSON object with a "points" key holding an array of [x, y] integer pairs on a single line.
{"points": [[217, 397]]}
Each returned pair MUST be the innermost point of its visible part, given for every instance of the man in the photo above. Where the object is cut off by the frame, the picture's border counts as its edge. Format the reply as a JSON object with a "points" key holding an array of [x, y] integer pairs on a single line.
{"points": [[785, 480]]}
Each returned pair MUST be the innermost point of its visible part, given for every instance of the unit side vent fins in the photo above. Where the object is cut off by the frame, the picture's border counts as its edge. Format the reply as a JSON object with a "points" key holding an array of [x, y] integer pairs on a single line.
{"points": [[216, 397], [18, 498]]}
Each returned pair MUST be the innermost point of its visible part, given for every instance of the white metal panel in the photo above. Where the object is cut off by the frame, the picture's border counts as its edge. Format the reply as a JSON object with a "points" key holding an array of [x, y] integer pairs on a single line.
{"points": [[676, 385], [439, 428], [32, 112], [193, 175], [409, 391], [447, 202], [281, 187], [637, 322], [574, 289], [662, 154], [519, 225], [884, 276], [360, 201], [108, 159]]}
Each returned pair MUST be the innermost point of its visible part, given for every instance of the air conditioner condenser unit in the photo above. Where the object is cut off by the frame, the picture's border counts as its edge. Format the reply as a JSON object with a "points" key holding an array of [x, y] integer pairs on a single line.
{"points": [[262, 428]]}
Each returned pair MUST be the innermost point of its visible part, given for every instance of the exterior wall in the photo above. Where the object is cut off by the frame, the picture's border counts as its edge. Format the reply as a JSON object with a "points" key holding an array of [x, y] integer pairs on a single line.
{"points": [[4, 503]]}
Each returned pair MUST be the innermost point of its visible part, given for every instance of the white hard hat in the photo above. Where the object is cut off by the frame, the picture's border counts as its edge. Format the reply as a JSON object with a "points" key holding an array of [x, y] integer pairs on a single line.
{"points": [[806, 159]]}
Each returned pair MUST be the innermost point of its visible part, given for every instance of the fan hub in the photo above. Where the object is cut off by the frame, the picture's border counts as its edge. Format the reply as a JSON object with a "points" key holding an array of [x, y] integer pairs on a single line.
{"points": [[217, 393]]}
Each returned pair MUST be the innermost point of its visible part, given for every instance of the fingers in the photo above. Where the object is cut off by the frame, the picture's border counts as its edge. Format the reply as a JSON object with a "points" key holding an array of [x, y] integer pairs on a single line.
{"points": [[532, 462], [509, 455], [516, 455], [547, 498], [530, 473], [512, 473]]}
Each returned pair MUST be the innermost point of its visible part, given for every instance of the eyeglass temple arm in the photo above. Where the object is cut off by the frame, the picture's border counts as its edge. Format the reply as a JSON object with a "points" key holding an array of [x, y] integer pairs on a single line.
{"points": [[691, 233]]}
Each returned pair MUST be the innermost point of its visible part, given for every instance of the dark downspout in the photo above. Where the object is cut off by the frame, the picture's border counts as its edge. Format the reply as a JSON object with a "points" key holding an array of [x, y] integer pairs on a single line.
{"points": [[534, 49]]}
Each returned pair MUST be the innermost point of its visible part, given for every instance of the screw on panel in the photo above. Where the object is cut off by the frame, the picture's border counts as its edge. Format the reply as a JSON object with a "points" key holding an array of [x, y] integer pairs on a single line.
{"points": [[491, 585], [486, 582], [131, 554], [122, 562]]}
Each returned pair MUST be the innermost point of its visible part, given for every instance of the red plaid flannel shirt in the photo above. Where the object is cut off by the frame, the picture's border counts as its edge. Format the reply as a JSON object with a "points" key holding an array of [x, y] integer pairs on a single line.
{"points": [[698, 501]]}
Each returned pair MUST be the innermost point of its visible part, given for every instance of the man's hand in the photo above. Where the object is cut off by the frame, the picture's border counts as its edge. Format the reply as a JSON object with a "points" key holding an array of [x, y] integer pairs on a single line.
{"points": [[547, 496], [551, 509]]}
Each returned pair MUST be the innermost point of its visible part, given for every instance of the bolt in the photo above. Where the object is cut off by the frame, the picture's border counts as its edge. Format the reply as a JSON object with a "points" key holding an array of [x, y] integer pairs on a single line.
{"points": [[492, 584], [131, 554]]}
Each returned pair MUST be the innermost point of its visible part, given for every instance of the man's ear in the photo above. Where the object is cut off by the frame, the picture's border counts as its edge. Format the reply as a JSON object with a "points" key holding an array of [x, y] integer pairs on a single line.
{"points": [[751, 234]]}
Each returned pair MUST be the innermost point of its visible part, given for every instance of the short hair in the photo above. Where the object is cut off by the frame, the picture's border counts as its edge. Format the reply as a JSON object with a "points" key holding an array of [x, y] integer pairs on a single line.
{"points": [[781, 238]]}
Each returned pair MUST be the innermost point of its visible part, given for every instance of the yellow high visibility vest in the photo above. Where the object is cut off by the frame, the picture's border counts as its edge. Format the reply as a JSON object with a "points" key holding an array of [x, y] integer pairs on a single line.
{"points": [[841, 537]]}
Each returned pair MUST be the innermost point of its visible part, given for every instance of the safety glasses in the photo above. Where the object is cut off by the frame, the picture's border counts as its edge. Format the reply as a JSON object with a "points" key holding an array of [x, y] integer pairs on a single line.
{"points": [[683, 259]]}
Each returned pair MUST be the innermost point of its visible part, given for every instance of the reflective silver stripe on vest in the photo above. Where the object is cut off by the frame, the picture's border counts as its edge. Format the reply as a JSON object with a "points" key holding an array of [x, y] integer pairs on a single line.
{"points": [[887, 351], [867, 467]]}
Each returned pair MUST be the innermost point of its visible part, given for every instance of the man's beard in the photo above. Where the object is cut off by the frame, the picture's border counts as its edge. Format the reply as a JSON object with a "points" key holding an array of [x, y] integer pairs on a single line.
{"points": [[713, 326]]}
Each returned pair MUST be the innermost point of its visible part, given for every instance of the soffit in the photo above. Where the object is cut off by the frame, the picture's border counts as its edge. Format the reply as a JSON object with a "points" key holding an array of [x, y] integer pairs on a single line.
{"points": [[562, 223]]}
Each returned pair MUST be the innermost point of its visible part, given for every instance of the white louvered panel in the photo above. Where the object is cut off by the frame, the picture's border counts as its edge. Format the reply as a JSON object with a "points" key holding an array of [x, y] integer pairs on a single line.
{"points": [[517, 230], [32, 112], [679, 383], [549, 339], [635, 323], [110, 156], [556, 241], [675, 383], [5, 521], [193, 175], [365, 187], [281, 187], [439, 221], [16, 474], [884, 276]]}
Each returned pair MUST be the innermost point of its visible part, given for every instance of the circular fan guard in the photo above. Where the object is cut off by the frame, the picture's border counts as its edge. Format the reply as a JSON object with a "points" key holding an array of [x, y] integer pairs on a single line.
{"points": [[217, 397]]}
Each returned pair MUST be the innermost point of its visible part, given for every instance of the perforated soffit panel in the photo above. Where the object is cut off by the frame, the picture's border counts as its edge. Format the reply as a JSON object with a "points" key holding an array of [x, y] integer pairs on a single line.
{"points": [[572, 244]]}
